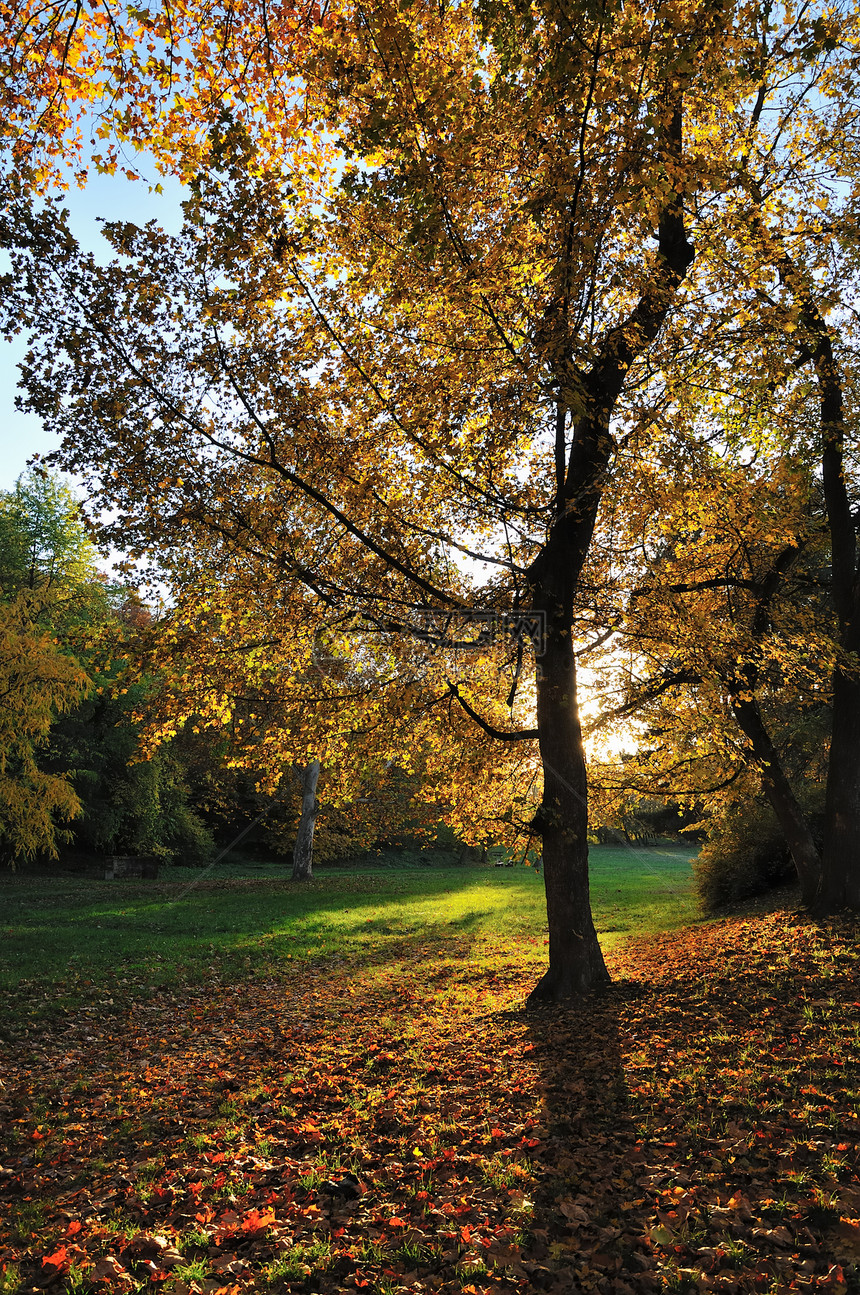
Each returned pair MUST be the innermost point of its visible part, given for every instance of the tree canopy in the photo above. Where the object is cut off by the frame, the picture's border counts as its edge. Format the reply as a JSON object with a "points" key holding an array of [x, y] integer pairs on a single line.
{"points": [[401, 364]]}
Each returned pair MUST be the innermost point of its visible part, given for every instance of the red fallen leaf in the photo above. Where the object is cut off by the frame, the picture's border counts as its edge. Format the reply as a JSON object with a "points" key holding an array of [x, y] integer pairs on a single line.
{"points": [[74, 1227], [397, 1223], [59, 1259], [254, 1221], [309, 1131], [154, 1273]]}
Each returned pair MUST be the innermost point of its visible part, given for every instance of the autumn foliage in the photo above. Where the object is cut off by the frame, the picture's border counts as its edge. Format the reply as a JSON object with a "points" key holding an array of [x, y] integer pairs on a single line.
{"points": [[397, 1124]]}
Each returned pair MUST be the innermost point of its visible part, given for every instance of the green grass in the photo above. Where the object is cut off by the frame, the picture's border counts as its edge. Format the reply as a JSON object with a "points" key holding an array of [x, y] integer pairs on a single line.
{"points": [[66, 937]]}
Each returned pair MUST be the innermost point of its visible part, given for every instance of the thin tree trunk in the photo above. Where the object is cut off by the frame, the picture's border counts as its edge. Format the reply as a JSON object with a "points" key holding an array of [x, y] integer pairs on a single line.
{"points": [[840, 878], [789, 814], [575, 961], [303, 854], [840, 884]]}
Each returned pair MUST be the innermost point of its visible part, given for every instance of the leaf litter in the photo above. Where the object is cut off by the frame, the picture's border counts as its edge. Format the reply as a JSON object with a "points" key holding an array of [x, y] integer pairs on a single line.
{"points": [[404, 1126]]}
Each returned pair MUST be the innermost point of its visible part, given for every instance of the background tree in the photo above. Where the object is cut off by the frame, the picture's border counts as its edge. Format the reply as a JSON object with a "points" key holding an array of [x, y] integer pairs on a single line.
{"points": [[45, 560], [44, 542], [727, 651], [76, 754], [38, 682], [253, 673]]}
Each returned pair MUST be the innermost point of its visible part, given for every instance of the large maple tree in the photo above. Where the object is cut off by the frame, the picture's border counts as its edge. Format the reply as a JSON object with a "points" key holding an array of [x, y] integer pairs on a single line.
{"points": [[395, 365]]}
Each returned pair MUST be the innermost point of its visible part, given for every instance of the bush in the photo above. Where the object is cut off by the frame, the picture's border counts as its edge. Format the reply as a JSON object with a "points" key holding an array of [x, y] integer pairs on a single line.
{"points": [[745, 855]]}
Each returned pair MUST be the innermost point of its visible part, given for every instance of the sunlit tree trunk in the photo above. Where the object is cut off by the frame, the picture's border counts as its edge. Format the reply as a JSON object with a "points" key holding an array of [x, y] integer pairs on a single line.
{"points": [[303, 853]]}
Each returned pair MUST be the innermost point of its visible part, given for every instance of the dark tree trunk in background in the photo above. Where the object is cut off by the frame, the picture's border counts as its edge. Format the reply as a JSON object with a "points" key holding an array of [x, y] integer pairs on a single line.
{"points": [[303, 854], [840, 880], [789, 814], [840, 875]]}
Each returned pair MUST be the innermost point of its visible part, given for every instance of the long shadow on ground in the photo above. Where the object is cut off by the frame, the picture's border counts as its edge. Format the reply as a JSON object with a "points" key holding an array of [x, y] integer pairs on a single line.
{"points": [[701, 1120], [398, 1124]]}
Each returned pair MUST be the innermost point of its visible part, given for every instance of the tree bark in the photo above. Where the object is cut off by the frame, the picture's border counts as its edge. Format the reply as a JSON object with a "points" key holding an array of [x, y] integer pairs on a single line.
{"points": [[840, 880], [303, 853], [789, 814], [840, 864], [576, 963]]}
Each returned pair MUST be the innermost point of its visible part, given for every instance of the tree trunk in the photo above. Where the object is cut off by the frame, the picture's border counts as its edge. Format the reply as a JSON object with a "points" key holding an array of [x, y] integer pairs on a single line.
{"points": [[840, 882], [840, 879], [303, 854], [783, 802], [575, 961]]}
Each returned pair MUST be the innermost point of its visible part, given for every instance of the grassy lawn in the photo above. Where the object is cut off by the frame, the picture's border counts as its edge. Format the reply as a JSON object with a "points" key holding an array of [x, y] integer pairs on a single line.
{"points": [[65, 937], [386, 1119], [223, 1084]]}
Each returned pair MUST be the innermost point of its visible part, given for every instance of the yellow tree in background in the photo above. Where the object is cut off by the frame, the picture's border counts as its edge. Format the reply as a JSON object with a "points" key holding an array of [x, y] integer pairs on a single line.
{"points": [[278, 692], [38, 681]]}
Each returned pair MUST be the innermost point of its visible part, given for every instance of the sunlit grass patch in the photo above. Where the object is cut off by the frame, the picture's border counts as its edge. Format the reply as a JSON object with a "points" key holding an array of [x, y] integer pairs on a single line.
{"points": [[69, 940]]}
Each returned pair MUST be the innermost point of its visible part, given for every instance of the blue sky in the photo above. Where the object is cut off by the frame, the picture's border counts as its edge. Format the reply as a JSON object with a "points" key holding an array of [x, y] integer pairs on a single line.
{"points": [[108, 197]]}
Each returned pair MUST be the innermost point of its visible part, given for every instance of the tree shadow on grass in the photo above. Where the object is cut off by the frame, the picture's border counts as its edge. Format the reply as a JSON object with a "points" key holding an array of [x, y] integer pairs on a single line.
{"points": [[698, 1122], [592, 1168]]}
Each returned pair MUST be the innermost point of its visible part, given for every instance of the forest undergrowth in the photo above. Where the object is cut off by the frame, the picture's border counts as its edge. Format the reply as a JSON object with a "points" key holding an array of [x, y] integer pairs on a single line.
{"points": [[400, 1124]]}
